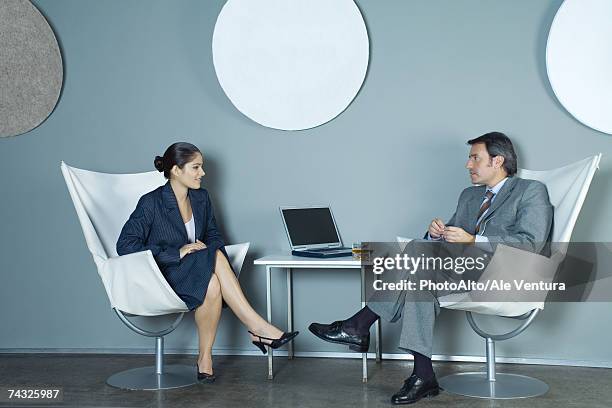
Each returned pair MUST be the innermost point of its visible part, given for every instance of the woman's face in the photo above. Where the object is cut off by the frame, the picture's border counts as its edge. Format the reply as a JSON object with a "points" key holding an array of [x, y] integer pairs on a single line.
{"points": [[191, 173]]}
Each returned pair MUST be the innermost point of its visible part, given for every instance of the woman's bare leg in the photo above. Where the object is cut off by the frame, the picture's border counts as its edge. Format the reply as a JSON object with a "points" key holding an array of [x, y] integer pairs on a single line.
{"points": [[207, 319], [235, 299]]}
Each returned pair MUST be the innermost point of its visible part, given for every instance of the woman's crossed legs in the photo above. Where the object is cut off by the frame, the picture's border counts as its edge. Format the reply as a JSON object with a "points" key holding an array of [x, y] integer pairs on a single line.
{"points": [[224, 285]]}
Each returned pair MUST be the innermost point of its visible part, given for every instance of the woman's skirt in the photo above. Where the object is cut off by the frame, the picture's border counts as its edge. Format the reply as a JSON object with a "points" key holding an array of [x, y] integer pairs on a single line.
{"points": [[189, 279]]}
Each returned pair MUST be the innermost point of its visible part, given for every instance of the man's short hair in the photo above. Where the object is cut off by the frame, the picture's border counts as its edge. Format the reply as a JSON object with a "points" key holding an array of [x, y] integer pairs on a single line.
{"points": [[498, 144]]}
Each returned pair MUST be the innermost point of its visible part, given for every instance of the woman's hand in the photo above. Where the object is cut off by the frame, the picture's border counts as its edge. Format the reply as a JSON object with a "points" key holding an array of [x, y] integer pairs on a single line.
{"points": [[189, 248]]}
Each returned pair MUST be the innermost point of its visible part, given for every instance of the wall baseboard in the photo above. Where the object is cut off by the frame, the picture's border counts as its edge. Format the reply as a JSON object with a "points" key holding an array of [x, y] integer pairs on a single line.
{"points": [[317, 354]]}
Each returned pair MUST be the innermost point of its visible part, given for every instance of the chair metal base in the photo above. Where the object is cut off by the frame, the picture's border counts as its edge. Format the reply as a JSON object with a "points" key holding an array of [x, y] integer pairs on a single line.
{"points": [[505, 386], [146, 378]]}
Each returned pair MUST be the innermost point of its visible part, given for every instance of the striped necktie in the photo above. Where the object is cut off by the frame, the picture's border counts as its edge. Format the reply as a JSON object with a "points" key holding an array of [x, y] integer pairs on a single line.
{"points": [[484, 207]]}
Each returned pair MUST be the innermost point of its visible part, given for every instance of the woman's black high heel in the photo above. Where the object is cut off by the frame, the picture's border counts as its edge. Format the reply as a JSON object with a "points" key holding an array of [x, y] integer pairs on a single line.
{"points": [[205, 377], [274, 343]]}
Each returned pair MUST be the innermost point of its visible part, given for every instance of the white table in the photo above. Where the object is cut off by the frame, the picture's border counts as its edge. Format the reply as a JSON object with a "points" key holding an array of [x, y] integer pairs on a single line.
{"points": [[289, 262]]}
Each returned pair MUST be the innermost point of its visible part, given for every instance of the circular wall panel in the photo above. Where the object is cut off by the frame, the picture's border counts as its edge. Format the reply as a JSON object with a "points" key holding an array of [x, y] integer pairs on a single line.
{"points": [[579, 61], [290, 64], [31, 70]]}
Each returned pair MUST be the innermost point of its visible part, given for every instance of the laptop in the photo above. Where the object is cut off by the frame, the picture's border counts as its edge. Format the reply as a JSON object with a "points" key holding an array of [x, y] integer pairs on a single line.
{"points": [[312, 232]]}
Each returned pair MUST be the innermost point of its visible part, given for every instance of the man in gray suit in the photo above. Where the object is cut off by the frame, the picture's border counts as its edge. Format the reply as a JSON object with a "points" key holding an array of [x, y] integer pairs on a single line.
{"points": [[501, 208]]}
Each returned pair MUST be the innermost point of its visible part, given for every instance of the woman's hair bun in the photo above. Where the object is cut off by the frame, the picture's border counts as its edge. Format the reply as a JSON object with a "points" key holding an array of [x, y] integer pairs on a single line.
{"points": [[177, 154], [158, 162]]}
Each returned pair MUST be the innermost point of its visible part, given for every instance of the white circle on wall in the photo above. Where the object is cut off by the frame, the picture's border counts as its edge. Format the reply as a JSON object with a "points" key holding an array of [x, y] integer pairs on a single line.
{"points": [[579, 61], [290, 64]]}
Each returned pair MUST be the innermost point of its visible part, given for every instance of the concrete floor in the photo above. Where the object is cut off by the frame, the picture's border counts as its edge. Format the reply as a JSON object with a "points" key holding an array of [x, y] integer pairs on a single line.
{"points": [[303, 382]]}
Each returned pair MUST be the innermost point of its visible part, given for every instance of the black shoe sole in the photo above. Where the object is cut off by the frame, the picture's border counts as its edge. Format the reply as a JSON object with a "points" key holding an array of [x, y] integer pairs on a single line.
{"points": [[359, 349], [355, 347], [207, 380], [430, 394]]}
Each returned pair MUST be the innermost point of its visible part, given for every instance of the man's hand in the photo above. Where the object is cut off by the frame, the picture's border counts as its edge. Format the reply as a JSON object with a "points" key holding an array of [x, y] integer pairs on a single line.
{"points": [[436, 228], [189, 248], [458, 235]]}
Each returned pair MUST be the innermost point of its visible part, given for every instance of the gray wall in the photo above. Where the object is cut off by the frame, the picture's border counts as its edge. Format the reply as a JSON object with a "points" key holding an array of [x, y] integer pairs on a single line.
{"points": [[139, 76]]}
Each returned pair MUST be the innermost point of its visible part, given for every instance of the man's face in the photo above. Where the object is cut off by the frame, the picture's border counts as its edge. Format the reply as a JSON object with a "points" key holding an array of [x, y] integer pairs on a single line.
{"points": [[481, 166]]}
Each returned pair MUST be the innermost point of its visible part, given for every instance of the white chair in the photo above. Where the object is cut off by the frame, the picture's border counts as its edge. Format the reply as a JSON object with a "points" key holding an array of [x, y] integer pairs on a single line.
{"points": [[567, 188], [134, 284]]}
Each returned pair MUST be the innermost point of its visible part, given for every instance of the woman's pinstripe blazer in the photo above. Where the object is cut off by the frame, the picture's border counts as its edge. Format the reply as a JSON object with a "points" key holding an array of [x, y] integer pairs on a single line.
{"points": [[156, 225]]}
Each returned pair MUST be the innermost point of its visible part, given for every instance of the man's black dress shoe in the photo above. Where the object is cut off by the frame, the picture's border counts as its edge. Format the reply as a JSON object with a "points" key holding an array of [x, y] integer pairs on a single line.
{"points": [[414, 389], [335, 333]]}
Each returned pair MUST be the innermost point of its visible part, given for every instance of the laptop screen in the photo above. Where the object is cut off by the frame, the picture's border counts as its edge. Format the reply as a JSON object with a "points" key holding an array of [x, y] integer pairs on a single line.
{"points": [[310, 226]]}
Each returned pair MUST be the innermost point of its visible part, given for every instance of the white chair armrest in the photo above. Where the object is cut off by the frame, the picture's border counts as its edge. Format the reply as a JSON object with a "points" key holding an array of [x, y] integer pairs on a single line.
{"points": [[525, 265], [236, 254], [402, 241], [135, 285], [508, 264]]}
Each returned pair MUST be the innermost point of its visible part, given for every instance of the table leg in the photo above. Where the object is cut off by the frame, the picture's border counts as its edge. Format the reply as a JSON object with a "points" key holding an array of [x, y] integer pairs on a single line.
{"points": [[378, 342], [364, 356], [290, 310], [269, 310]]}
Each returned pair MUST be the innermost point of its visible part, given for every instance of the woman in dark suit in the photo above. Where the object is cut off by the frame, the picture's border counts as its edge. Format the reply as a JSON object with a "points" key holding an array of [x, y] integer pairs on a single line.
{"points": [[176, 223]]}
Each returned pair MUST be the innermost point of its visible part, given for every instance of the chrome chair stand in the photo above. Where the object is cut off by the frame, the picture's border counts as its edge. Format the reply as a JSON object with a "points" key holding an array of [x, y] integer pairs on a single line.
{"points": [[492, 385], [159, 376]]}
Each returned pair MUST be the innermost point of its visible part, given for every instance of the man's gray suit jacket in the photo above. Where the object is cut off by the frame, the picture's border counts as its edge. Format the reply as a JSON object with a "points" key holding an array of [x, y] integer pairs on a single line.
{"points": [[521, 214]]}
